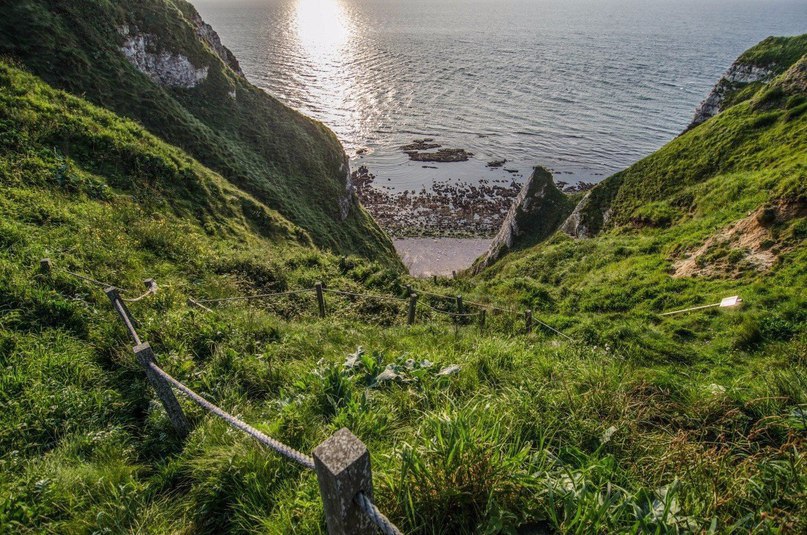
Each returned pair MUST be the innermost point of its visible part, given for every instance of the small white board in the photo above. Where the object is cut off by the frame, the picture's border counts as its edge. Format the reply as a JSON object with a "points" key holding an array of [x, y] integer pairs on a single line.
{"points": [[732, 301]]}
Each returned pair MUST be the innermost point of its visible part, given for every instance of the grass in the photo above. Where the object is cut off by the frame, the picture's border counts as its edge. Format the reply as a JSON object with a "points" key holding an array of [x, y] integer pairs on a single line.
{"points": [[287, 162], [693, 423]]}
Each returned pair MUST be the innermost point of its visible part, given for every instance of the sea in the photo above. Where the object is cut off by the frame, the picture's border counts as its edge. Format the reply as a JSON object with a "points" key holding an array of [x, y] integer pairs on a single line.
{"points": [[582, 87]]}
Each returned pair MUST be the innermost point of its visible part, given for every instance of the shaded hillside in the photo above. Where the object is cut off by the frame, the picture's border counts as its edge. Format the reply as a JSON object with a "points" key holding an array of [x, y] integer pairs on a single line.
{"points": [[155, 61]]}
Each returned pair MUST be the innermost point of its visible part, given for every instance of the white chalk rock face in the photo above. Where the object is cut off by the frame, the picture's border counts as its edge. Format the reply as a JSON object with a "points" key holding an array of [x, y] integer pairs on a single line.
{"points": [[164, 67], [739, 75]]}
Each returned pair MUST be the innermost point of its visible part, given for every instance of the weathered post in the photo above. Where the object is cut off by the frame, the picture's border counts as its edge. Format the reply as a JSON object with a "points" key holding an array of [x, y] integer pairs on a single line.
{"points": [[45, 266], [145, 356], [460, 308], [123, 312], [528, 321], [408, 289], [413, 303], [320, 300], [342, 464], [482, 314], [453, 274]]}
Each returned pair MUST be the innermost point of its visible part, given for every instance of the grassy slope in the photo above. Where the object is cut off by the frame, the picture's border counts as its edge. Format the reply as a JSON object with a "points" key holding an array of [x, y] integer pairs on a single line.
{"points": [[741, 140], [671, 425], [288, 162]]}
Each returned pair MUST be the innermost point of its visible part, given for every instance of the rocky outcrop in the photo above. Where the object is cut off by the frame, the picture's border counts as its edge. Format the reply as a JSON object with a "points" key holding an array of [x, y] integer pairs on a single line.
{"points": [[574, 226], [349, 198], [738, 76], [537, 212], [163, 67], [207, 34]]}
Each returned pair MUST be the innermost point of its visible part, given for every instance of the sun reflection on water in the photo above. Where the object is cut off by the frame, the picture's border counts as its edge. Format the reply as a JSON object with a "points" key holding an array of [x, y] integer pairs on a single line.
{"points": [[323, 27]]}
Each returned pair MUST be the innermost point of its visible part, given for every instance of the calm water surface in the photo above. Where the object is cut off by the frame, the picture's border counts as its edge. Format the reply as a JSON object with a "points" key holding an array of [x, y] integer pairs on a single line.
{"points": [[584, 87]]}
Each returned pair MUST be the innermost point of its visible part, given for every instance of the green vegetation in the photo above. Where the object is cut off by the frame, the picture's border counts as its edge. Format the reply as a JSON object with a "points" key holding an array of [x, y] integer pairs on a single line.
{"points": [[690, 423], [758, 145], [288, 162]]}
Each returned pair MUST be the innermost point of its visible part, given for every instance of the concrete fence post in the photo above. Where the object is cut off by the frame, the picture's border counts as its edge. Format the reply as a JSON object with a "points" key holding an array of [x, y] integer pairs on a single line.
{"points": [[45, 265], [528, 321], [320, 299], [342, 464], [413, 303], [145, 356]]}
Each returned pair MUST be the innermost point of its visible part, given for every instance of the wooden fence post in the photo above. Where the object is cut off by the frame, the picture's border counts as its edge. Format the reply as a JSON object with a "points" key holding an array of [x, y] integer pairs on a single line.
{"points": [[343, 470], [460, 308], [482, 314], [413, 303], [145, 356], [123, 312], [320, 300], [528, 321], [45, 265], [408, 289]]}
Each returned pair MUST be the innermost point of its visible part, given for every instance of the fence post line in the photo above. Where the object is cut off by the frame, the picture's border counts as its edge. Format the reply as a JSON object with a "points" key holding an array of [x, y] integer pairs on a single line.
{"points": [[413, 303], [343, 470], [145, 356], [45, 265], [320, 300], [528, 321]]}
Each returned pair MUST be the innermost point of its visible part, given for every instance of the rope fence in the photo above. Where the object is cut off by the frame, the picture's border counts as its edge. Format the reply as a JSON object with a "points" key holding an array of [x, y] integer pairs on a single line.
{"points": [[342, 462], [269, 442]]}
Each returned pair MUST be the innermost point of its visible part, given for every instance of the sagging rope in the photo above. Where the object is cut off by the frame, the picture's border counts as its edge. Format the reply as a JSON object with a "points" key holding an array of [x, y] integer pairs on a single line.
{"points": [[269, 442], [249, 297], [378, 518], [371, 296]]}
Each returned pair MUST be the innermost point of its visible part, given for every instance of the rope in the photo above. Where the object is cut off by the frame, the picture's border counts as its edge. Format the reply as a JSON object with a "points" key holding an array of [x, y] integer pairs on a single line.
{"points": [[88, 279], [373, 296], [454, 314], [259, 296], [267, 441], [378, 518], [127, 321], [450, 297], [566, 336], [151, 291]]}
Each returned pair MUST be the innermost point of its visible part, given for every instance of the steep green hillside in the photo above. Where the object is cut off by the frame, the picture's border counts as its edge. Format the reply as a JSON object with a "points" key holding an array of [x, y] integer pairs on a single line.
{"points": [[625, 422], [764, 134], [194, 98]]}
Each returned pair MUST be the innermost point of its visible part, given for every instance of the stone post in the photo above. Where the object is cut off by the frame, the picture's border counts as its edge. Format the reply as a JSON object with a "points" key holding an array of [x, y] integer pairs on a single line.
{"points": [[342, 464]]}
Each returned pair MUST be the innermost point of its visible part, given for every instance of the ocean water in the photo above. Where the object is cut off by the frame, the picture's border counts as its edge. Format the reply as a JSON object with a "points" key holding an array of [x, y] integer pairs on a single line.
{"points": [[584, 87]]}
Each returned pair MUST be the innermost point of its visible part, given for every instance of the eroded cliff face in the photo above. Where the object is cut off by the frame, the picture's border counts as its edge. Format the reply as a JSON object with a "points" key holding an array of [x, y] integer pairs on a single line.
{"points": [[536, 214], [164, 67], [207, 34], [739, 75]]}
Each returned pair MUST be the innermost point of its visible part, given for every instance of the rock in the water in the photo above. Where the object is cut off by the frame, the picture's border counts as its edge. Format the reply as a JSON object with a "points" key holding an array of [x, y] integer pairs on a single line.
{"points": [[442, 156]]}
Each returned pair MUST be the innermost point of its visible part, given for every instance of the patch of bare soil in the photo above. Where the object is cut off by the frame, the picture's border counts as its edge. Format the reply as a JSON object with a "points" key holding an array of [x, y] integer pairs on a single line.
{"points": [[749, 243]]}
